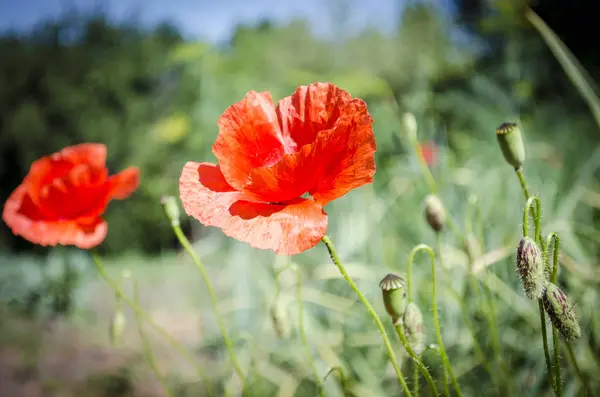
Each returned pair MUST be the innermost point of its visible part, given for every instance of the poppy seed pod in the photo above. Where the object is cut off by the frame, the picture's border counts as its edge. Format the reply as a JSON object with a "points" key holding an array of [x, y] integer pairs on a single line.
{"points": [[171, 209], [434, 212], [414, 329], [530, 267], [511, 144], [280, 321], [393, 289], [561, 312]]}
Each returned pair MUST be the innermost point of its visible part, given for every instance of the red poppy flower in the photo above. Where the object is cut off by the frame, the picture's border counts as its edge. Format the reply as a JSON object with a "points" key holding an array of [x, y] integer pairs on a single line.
{"points": [[318, 141], [62, 198], [429, 151]]}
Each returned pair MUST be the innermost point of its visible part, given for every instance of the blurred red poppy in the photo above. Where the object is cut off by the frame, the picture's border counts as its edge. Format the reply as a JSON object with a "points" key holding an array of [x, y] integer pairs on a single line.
{"points": [[62, 198], [429, 151], [318, 141]]}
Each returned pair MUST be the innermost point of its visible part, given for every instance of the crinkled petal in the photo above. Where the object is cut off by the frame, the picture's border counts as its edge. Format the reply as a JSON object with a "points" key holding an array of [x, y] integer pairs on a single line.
{"points": [[25, 220], [93, 154], [249, 137], [346, 155], [310, 110], [287, 229], [339, 160], [124, 183]]}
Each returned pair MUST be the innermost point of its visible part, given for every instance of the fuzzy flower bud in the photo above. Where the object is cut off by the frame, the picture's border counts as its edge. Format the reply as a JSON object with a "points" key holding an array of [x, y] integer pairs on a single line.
{"points": [[279, 319], [171, 209], [434, 212], [393, 289], [530, 268], [511, 144], [414, 329], [561, 312]]}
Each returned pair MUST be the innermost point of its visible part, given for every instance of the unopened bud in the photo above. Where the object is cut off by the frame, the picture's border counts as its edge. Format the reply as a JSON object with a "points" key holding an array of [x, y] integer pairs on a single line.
{"points": [[561, 312], [414, 329], [511, 144], [434, 212], [280, 321], [393, 289], [116, 328], [530, 267], [409, 125], [171, 209]]}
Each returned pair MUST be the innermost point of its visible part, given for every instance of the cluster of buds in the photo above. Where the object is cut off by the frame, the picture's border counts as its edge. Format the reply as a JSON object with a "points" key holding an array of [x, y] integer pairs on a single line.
{"points": [[534, 278], [408, 315]]}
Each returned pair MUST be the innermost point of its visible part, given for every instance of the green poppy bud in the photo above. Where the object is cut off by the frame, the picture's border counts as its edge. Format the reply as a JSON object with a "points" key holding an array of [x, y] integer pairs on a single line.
{"points": [[171, 209], [279, 319], [393, 289], [561, 312], [530, 267], [511, 144], [414, 329], [434, 212]]}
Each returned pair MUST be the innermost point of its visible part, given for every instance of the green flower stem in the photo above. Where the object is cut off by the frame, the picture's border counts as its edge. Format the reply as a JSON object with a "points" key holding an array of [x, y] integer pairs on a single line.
{"points": [[301, 327], [436, 321], [343, 379], [302, 332], [416, 379], [146, 344], [537, 214], [553, 275], [386, 341], [143, 315], [416, 360], [582, 378], [213, 300]]}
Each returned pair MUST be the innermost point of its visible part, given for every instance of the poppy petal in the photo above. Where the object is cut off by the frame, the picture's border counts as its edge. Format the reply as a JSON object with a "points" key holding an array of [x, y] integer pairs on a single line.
{"points": [[346, 154], [93, 154], [249, 137], [287, 229], [25, 220], [311, 109], [124, 183], [340, 159]]}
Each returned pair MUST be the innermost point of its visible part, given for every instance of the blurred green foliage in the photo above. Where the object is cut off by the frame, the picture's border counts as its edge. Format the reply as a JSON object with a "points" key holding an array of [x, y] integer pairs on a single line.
{"points": [[155, 99]]}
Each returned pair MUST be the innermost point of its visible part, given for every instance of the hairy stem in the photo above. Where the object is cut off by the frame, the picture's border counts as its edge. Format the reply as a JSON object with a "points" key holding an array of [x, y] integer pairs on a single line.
{"points": [[183, 240], [386, 341], [416, 360], [436, 321]]}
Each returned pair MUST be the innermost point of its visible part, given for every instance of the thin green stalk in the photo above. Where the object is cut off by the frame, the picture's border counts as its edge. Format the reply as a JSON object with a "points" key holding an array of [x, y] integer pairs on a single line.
{"points": [[587, 391], [416, 360], [436, 321], [183, 240], [553, 275], [386, 341], [146, 347], [302, 332], [546, 349], [343, 379], [142, 314], [537, 214], [416, 379]]}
